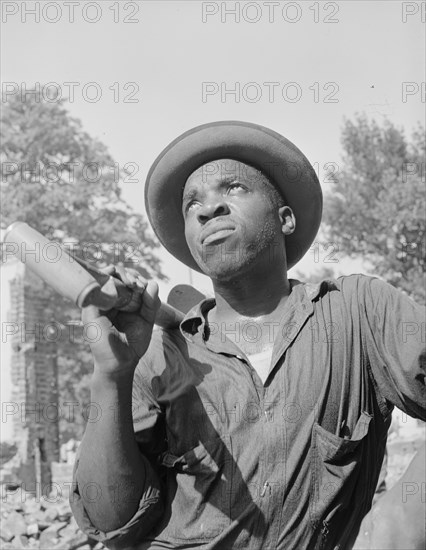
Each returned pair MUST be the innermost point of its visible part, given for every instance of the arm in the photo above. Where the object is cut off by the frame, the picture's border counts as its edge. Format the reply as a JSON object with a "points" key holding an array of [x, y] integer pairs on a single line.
{"points": [[116, 483], [395, 344], [394, 341]]}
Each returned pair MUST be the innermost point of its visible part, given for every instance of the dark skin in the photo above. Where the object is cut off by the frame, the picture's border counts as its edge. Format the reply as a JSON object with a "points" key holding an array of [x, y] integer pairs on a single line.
{"points": [[236, 232], [255, 254], [246, 260], [109, 450]]}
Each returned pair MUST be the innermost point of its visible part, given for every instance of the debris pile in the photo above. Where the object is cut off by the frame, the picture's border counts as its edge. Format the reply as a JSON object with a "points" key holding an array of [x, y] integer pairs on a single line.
{"points": [[44, 522]]}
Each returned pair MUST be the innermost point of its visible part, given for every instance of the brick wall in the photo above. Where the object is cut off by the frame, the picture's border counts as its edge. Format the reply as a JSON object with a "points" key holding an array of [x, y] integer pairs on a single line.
{"points": [[35, 382]]}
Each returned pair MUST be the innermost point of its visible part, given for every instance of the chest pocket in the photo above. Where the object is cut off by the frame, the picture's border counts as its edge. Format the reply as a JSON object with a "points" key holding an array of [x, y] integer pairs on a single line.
{"points": [[199, 491], [336, 464]]}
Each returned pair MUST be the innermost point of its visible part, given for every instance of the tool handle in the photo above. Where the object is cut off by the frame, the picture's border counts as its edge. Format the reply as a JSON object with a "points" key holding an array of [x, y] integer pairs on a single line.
{"points": [[76, 279]]}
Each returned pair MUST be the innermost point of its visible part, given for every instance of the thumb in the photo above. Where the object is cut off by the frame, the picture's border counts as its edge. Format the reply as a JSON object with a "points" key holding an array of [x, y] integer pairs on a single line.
{"points": [[89, 313]]}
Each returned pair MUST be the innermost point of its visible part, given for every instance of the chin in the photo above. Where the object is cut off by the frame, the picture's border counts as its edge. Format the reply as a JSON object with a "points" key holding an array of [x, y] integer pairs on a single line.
{"points": [[222, 273]]}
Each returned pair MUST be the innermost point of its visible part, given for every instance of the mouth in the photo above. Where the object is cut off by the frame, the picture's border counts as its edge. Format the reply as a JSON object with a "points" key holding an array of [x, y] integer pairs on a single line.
{"points": [[216, 232]]}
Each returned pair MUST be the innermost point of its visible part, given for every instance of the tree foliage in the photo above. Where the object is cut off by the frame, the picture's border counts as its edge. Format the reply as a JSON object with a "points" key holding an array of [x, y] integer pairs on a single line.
{"points": [[325, 272], [376, 207], [65, 184]]}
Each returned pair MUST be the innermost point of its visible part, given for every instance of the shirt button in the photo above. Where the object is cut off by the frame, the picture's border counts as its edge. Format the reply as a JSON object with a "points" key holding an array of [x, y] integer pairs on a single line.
{"points": [[265, 488]]}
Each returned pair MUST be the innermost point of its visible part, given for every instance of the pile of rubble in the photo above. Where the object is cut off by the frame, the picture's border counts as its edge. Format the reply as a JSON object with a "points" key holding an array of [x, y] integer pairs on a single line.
{"points": [[30, 521]]}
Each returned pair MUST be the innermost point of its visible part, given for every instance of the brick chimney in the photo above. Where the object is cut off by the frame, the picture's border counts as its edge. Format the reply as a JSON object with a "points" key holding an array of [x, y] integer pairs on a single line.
{"points": [[35, 382]]}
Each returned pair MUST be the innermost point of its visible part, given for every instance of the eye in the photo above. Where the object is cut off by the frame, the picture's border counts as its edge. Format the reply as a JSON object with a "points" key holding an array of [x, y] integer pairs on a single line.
{"points": [[191, 206], [235, 187]]}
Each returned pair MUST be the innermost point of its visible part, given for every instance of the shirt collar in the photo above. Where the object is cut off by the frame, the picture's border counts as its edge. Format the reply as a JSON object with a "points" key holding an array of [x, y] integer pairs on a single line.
{"points": [[195, 322]]}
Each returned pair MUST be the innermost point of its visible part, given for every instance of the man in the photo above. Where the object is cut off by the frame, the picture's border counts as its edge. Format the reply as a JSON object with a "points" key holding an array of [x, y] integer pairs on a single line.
{"points": [[261, 421]]}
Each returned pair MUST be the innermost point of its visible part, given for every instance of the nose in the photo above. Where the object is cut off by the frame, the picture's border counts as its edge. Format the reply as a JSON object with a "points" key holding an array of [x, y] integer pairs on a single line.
{"points": [[210, 210]]}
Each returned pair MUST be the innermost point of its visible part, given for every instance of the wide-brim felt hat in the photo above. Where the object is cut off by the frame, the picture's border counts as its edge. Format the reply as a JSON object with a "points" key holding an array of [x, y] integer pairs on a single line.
{"points": [[267, 151]]}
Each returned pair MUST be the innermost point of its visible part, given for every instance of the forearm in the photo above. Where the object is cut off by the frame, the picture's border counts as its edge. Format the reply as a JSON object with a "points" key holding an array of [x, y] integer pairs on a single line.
{"points": [[397, 519], [111, 471]]}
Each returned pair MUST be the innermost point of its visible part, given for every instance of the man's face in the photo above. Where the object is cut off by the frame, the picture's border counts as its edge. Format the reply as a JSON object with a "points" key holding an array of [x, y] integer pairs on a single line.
{"points": [[230, 220]]}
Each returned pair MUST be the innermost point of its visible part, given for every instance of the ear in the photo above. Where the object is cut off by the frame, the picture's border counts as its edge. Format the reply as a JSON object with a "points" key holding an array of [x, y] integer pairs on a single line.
{"points": [[288, 221]]}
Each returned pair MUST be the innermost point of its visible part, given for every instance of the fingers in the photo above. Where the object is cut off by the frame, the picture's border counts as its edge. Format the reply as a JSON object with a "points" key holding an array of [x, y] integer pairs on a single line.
{"points": [[141, 284], [91, 314], [128, 276], [150, 303], [108, 270]]}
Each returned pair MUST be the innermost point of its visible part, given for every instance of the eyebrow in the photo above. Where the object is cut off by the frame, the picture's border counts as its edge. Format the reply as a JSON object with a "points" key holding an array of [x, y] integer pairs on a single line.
{"points": [[189, 195], [225, 180]]}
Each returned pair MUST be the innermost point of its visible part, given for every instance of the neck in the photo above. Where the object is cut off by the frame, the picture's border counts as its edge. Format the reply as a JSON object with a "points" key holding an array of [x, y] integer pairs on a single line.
{"points": [[253, 295]]}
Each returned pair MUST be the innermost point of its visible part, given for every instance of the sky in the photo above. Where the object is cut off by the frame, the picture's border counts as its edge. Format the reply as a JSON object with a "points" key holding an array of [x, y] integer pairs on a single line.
{"points": [[142, 73]]}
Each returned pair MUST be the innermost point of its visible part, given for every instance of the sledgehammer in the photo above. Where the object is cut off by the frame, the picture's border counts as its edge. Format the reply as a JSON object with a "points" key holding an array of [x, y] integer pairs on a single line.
{"points": [[76, 279]]}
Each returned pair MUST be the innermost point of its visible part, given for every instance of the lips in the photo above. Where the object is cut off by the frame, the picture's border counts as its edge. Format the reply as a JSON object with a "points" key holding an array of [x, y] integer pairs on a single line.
{"points": [[216, 231]]}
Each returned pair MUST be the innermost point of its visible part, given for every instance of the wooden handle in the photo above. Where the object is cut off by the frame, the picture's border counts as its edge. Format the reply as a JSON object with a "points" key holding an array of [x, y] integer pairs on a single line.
{"points": [[76, 279]]}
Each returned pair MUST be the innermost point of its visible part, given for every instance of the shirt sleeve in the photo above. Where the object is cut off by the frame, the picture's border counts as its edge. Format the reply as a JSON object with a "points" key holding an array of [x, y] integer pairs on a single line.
{"points": [[149, 436], [394, 338]]}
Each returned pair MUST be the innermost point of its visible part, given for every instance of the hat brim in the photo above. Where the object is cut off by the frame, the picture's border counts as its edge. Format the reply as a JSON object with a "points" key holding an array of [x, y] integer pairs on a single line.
{"points": [[274, 155]]}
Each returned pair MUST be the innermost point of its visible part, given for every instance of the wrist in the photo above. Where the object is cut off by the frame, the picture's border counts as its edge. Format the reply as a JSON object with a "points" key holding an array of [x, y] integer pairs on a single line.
{"points": [[119, 377]]}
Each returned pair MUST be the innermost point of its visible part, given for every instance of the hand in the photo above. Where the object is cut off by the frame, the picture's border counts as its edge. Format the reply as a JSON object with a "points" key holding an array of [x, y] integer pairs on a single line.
{"points": [[119, 339]]}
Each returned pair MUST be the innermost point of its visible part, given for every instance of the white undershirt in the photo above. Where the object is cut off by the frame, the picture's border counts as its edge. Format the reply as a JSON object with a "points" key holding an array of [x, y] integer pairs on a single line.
{"points": [[261, 362]]}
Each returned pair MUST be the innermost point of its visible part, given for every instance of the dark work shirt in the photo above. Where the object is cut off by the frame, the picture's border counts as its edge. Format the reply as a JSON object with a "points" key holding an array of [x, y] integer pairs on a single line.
{"points": [[291, 464]]}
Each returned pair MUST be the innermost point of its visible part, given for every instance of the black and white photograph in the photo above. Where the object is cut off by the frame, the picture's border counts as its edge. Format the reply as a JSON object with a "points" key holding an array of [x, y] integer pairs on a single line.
{"points": [[213, 323]]}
